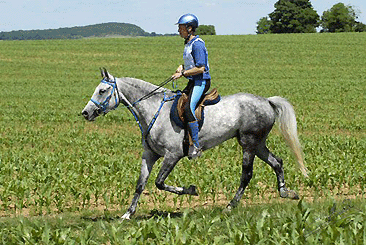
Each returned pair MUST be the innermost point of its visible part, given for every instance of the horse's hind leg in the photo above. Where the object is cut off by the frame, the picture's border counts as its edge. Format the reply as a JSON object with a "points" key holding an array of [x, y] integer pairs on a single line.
{"points": [[276, 164], [247, 173], [169, 162]]}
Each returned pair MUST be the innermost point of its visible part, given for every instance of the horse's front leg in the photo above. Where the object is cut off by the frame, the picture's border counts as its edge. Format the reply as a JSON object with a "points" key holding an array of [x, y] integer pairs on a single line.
{"points": [[148, 160], [170, 160]]}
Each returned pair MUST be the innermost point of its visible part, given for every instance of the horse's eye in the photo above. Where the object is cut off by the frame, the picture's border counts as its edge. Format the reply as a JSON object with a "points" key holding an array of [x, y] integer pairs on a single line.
{"points": [[102, 91]]}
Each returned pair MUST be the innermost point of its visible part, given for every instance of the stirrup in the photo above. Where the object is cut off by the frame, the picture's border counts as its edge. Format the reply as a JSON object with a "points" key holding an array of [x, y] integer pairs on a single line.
{"points": [[194, 152]]}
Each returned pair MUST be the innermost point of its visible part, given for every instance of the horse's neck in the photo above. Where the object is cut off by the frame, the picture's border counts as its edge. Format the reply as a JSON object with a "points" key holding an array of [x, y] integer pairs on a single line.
{"points": [[133, 90]]}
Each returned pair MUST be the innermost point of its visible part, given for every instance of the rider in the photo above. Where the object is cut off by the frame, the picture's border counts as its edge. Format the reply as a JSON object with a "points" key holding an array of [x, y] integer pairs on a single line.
{"points": [[196, 69]]}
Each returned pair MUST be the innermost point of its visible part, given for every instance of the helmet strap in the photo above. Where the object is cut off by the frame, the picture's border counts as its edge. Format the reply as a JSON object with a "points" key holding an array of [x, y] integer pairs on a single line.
{"points": [[189, 34], [187, 38]]}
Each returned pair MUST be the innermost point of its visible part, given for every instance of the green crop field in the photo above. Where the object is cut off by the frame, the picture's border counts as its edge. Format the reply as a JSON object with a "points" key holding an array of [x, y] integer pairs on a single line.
{"points": [[64, 180]]}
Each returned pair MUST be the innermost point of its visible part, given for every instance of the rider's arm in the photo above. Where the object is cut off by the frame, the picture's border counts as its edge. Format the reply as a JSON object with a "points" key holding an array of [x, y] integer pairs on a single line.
{"points": [[178, 72], [194, 71], [191, 72]]}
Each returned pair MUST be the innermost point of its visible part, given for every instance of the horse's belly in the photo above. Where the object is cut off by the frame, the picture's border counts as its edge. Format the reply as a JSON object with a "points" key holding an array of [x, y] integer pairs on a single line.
{"points": [[219, 126]]}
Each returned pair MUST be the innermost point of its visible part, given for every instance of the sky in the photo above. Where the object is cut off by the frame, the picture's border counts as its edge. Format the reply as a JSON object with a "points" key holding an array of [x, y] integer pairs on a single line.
{"points": [[230, 17]]}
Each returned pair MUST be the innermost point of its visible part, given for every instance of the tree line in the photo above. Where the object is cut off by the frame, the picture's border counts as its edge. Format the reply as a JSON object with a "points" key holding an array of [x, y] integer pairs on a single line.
{"points": [[98, 30], [299, 16]]}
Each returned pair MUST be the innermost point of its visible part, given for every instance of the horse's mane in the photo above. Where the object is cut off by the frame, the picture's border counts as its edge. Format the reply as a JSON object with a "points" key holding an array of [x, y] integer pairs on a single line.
{"points": [[141, 84], [138, 83]]}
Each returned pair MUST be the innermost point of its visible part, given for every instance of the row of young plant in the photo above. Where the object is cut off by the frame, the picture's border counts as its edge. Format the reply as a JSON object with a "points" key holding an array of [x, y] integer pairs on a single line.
{"points": [[301, 223]]}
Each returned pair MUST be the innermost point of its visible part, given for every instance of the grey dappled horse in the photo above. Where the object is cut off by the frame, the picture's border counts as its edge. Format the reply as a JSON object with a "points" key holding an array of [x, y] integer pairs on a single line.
{"points": [[247, 117]]}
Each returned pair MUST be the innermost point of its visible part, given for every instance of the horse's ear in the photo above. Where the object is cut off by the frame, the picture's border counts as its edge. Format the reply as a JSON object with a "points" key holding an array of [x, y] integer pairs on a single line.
{"points": [[104, 73]]}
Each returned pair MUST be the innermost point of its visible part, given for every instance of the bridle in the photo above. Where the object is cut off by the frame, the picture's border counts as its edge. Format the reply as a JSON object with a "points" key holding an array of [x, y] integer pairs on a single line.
{"points": [[102, 107]]}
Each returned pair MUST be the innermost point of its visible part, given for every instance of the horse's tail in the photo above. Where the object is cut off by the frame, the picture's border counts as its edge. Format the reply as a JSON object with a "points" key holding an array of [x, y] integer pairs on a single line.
{"points": [[286, 120]]}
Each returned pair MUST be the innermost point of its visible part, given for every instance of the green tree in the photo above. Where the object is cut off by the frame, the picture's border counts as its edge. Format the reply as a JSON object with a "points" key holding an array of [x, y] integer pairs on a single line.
{"points": [[360, 27], [340, 18], [206, 30], [263, 26], [294, 16]]}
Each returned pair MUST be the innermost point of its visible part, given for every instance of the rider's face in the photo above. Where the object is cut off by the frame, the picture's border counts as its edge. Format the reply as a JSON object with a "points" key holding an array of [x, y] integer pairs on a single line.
{"points": [[183, 32]]}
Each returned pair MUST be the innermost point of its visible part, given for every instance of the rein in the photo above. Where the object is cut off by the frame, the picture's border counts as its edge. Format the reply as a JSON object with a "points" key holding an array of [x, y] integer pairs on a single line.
{"points": [[151, 124], [152, 92]]}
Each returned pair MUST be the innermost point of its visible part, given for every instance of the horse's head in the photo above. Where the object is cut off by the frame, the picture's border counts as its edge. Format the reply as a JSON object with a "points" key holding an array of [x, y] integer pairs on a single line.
{"points": [[104, 99]]}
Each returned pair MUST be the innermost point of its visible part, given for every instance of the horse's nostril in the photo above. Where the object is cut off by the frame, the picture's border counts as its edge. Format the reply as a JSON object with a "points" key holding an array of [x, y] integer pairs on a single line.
{"points": [[85, 113]]}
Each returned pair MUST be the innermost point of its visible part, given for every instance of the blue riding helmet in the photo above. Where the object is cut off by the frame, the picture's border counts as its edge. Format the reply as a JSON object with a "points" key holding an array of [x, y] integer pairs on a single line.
{"points": [[188, 20]]}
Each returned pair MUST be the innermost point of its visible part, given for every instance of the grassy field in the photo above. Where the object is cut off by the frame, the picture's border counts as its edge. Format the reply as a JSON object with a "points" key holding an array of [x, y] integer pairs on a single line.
{"points": [[64, 180]]}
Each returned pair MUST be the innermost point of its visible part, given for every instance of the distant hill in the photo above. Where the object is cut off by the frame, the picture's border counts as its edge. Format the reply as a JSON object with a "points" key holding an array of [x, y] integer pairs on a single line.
{"points": [[98, 30]]}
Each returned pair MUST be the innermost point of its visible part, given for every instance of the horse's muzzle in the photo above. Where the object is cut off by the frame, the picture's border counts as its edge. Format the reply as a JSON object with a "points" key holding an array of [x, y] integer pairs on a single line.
{"points": [[85, 114], [92, 116]]}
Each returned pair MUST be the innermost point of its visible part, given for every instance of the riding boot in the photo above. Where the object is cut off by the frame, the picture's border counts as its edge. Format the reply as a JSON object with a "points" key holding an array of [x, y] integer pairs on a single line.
{"points": [[195, 149]]}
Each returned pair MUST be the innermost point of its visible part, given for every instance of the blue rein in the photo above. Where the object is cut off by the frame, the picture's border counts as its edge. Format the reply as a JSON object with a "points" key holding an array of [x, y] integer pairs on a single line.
{"points": [[151, 124]]}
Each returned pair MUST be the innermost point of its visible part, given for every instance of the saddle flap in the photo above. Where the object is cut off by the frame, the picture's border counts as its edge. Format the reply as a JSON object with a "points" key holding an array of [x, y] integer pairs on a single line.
{"points": [[181, 105]]}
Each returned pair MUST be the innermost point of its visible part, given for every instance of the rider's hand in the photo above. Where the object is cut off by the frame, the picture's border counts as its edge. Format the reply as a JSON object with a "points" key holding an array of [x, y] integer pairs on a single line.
{"points": [[177, 75], [179, 69]]}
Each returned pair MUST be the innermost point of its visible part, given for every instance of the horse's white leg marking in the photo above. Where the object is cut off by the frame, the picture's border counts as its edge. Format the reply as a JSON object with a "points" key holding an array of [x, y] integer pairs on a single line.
{"points": [[148, 160]]}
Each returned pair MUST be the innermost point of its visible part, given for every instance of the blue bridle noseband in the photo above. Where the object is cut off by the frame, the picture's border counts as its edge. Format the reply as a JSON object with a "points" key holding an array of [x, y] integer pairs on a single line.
{"points": [[102, 107]]}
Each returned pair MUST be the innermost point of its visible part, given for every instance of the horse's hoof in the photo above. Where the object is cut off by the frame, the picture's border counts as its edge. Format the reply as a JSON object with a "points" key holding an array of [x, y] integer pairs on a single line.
{"points": [[284, 193], [126, 216], [191, 190], [228, 209]]}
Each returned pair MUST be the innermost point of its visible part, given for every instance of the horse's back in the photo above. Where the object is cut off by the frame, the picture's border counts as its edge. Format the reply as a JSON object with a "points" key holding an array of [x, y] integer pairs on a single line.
{"points": [[239, 113], [241, 105]]}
